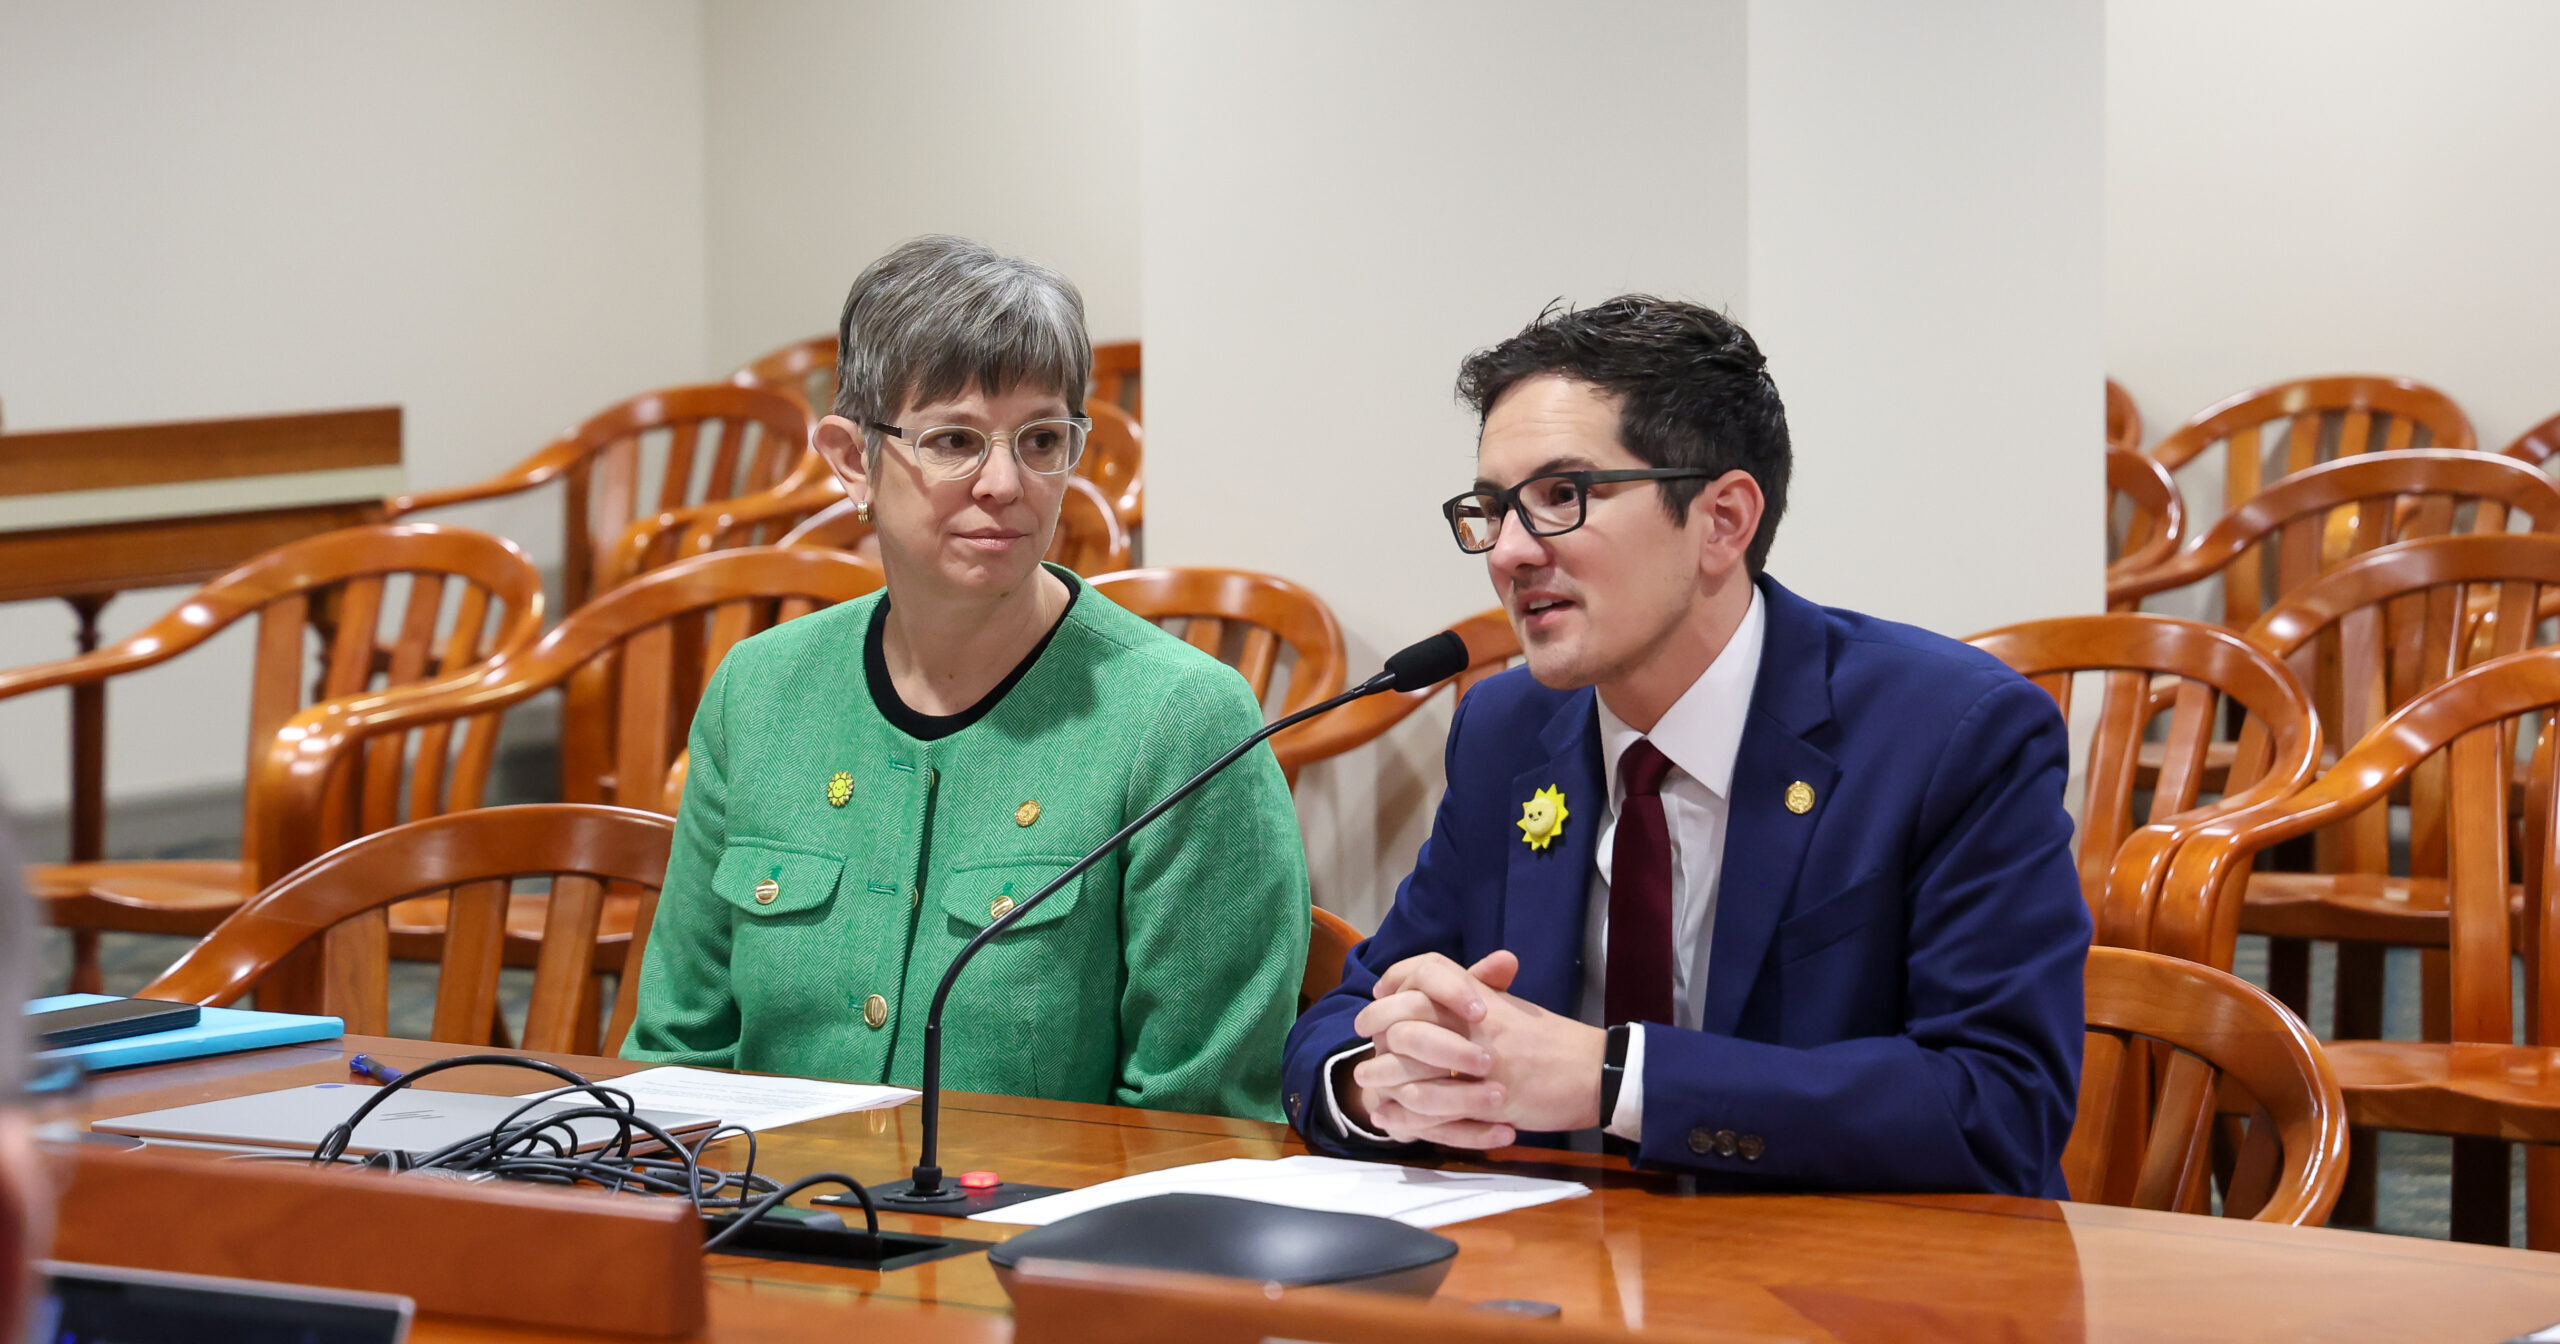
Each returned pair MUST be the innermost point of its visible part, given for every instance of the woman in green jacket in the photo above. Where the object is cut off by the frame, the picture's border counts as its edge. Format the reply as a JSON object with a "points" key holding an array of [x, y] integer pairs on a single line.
{"points": [[873, 784]]}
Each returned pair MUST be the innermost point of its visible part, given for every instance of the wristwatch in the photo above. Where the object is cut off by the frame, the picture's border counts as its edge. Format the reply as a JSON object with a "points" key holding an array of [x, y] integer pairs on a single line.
{"points": [[1613, 1070]]}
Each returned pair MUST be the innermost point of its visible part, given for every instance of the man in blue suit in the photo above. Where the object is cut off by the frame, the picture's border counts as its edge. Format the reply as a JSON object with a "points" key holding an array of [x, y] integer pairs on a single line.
{"points": [[1772, 893]]}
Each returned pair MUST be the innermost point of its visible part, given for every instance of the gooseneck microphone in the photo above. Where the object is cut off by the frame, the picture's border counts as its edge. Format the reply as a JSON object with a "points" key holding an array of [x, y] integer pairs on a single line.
{"points": [[1413, 668]]}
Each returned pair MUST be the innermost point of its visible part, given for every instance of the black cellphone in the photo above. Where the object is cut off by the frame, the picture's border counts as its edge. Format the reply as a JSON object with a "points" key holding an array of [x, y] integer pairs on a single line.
{"points": [[113, 1020]]}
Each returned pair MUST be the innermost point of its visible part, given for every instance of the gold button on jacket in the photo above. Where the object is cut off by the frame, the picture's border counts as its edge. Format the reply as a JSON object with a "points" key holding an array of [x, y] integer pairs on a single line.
{"points": [[875, 1012]]}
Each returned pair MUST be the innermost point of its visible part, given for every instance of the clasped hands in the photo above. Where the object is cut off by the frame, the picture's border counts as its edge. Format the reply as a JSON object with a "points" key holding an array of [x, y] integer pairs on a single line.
{"points": [[1456, 1059]]}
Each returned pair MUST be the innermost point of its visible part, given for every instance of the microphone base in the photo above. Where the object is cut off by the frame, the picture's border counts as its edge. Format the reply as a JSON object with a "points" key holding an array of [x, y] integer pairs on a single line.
{"points": [[899, 1197]]}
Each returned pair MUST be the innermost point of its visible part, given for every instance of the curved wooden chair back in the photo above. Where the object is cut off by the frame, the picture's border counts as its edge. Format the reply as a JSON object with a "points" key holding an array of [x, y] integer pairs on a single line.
{"points": [[1491, 647], [2268, 433], [1330, 938], [1247, 621], [806, 369], [631, 634], [342, 614], [473, 860], [2314, 520], [2471, 727], [2150, 667], [1115, 378], [2154, 515], [2124, 420], [2375, 633], [2228, 1048], [1113, 460], [711, 441]]}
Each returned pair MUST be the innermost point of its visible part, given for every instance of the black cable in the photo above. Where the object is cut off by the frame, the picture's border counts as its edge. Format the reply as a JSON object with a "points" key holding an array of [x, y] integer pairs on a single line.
{"points": [[542, 1146]]}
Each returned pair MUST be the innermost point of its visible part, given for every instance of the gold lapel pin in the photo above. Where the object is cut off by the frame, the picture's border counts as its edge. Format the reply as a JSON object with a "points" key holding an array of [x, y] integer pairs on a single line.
{"points": [[1799, 797], [839, 789]]}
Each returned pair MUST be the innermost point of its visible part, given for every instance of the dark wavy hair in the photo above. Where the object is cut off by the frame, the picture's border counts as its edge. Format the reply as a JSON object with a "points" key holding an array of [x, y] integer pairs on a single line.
{"points": [[1692, 389]]}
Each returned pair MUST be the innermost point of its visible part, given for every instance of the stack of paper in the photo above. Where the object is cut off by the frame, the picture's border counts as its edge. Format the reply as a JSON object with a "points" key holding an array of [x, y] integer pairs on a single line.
{"points": [[747, 1100], [1415, 1196]]}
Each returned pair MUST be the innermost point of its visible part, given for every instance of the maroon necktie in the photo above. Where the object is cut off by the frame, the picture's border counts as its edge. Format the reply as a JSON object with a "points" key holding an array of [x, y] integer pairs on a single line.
{"points": [[1639, 984]]}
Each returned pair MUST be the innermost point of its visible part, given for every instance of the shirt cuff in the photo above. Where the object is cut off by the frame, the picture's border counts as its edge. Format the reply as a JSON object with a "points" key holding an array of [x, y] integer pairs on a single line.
{"points": [[1627, 1121], [1333, 1105]]}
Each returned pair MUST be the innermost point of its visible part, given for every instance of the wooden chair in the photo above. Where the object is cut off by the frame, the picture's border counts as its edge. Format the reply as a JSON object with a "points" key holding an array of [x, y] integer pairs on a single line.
{"points": [[2155, 522], [1115, 378], [806, 369], [1491, 647], [2124, 420], [2322, 419], [386, 606], [2321, 517], [2151, 665], [756, 438], [1330, 938], [470, 861], [2537, 445], [1113, 459], [2222, 1046], [1246, 620], [2387, 627], [2478, 1086], [663, 634]]}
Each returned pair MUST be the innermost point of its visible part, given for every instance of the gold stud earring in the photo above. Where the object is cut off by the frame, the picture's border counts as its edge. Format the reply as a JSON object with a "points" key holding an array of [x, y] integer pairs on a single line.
{"points": [[862, 512]]}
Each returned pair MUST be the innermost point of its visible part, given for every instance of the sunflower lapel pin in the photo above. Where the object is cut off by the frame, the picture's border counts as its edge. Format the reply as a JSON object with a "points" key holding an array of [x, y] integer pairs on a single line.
{"points": [[1542, 817]]}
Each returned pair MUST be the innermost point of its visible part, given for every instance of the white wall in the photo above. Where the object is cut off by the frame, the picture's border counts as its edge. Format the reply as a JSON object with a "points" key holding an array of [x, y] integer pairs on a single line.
{"points": [[1342, 199], [489, 212], [2298, 187], [1926, 190], [837, 130]]}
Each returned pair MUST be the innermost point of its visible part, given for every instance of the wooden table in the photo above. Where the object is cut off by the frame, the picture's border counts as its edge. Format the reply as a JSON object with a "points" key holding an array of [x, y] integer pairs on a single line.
{"points": [[88, 513], [1850, 1268]]}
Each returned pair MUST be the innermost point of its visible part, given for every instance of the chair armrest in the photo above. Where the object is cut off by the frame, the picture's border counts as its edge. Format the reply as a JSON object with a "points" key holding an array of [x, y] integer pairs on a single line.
{"points": [[155, 643], [540, 469], [1346, 729]]}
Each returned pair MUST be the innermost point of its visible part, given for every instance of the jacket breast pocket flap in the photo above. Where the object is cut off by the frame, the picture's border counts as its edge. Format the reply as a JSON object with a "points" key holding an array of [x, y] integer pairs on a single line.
{"points": [[769, 880], [981, 894], [1862, 904]]}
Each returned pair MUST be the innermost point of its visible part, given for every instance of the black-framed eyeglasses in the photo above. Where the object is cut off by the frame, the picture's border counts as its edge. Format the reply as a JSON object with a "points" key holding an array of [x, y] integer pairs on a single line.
{"points": [[1049, 447], [1550, 505]]}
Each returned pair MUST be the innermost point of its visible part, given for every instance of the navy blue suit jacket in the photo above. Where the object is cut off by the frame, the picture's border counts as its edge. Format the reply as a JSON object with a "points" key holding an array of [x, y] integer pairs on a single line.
{"points": [[1893, 994]]}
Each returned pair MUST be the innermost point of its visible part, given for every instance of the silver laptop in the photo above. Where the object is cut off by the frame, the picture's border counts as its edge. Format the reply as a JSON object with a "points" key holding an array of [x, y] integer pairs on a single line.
{"points": [[297, 1119]]}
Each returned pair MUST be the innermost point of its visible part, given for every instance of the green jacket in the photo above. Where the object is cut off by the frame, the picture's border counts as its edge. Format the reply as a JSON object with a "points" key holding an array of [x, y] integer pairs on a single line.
{"points": [[803, 925]]}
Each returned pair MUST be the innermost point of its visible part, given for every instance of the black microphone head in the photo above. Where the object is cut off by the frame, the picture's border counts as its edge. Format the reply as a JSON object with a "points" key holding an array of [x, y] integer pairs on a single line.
{"points": [[1428, 663]]}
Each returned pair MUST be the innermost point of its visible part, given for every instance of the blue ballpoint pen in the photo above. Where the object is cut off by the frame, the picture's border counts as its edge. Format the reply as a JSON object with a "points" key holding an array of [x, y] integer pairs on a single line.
{"points": [[367, 1066]]}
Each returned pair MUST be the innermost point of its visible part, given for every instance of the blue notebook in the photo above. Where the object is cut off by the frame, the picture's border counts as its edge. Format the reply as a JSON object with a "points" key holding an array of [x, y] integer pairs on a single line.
{"points": [[219, 1031]]}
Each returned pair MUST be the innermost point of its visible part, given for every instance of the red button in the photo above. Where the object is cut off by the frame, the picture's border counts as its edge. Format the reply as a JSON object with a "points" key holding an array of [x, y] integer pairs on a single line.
{"points": [[979, 1180]]}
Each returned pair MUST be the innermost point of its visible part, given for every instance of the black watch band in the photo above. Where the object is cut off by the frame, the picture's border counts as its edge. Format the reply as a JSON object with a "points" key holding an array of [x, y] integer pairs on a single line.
{"points": [[1613, 1070]]}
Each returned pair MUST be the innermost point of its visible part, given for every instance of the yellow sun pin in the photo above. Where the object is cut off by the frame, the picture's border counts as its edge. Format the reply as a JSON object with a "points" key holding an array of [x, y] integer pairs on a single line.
{"points": [[839, 789], [1542, 817]]}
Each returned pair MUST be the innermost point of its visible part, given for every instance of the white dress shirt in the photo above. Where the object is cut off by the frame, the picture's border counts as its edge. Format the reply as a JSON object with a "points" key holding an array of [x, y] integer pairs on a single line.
{"points": [[1701, 734]]}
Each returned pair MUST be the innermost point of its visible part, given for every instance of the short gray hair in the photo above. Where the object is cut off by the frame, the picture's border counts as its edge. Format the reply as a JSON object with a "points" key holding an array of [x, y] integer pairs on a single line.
{"points": [[939, 315]]}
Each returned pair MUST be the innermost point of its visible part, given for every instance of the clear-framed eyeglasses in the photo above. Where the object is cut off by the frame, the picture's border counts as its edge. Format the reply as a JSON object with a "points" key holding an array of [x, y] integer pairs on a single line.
{"points": [[1550, 505], [955, 452]]}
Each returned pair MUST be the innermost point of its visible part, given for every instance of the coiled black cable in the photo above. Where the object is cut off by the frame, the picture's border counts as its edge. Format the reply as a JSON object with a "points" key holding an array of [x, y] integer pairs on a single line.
{"points": [[535, 1144]]}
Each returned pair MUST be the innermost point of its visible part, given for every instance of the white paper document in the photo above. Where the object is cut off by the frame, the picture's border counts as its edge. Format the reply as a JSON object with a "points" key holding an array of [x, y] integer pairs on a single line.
{"points": [[751, 1101], [1416, 1196]]}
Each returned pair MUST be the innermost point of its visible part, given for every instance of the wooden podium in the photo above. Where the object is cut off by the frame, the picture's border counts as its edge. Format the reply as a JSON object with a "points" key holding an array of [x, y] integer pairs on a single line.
{"points": [[89, 513]]}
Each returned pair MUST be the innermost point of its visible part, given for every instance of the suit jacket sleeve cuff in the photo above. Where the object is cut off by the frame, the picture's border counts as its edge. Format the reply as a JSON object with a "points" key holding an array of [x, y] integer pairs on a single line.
{"points": [[1342, 1125], [1627, 1121]]}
